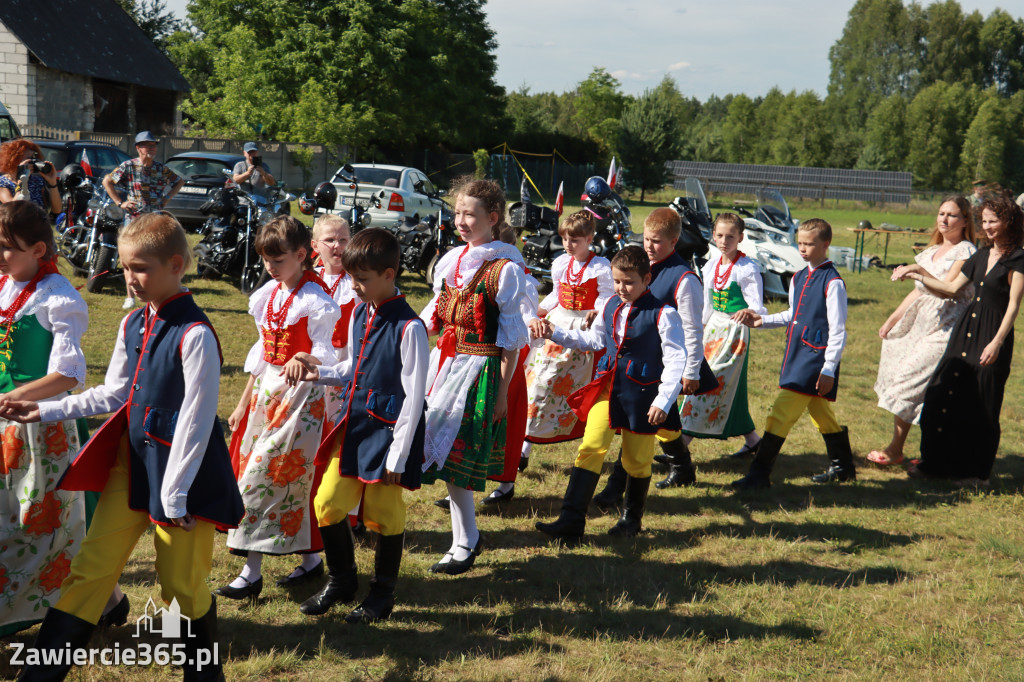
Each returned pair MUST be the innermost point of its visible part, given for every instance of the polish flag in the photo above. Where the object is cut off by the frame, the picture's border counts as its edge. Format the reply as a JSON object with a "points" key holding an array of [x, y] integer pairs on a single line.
{"points": [[560, 199], [613, 174], [84, 163]]}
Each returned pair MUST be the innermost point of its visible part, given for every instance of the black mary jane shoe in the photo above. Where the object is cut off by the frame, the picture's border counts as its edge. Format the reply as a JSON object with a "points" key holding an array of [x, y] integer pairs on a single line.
{"points": [[499, 497], [746, 452], [523, 463], [117, 615], [453, 567], [250, 591], [443, 503], [305, 576]]}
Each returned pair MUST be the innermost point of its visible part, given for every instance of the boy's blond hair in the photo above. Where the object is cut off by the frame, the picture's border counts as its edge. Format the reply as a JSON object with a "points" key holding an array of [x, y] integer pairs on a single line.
{"points": [[157, 235], [665, 221], [327, 220], [821, 229]]}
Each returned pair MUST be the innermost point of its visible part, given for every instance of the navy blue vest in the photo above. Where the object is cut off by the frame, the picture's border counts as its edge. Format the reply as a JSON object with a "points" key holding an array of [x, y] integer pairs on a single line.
{"points": [[807, 333], [635, 366], [666, 276], [372, 404]]}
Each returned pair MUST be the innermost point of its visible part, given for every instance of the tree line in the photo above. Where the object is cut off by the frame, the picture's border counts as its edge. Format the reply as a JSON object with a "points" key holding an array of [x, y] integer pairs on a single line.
{"points": [[928, 89]]}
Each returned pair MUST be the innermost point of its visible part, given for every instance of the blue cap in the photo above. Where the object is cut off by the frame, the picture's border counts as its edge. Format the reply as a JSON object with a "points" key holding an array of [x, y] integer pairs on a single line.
{"points": [[145, 136], [250, 147]]}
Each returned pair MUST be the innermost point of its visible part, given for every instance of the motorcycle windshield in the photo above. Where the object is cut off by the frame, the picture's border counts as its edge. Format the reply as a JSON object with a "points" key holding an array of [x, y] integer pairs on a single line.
{"points": [[695, 196], [773, 209]]}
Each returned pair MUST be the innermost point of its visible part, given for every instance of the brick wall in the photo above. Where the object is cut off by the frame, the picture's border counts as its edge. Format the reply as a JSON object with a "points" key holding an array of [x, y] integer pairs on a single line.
{"points": [[17, 87]]}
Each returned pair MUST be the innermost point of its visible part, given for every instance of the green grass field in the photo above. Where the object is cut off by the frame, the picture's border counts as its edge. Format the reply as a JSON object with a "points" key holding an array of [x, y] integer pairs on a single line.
{"points": [[881, 579]]}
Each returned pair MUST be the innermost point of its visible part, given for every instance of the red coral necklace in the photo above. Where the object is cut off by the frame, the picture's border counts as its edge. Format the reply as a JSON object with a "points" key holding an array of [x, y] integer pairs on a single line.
{"points": [[275, 320], [721, 280], [576, 279], [458, 267], [7, 314]]}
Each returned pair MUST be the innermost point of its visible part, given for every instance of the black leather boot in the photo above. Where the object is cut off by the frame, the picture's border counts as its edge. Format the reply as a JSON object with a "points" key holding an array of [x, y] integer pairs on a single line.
{"points": [[59, 629], [202, 648], [628, 524], [759, 475], [573, 520], [610, 499], [841, 468], [680, 466], [381, 599], [342, 579]]}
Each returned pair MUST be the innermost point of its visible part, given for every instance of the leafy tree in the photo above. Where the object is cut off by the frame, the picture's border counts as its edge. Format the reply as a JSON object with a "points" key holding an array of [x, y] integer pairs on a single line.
{"points": [[885, 136], [597, 106], [801, 136], [989, 142], [952, 44], [647, 139], [937, 120], [1002, 41], [740, 130], [155, 20]]}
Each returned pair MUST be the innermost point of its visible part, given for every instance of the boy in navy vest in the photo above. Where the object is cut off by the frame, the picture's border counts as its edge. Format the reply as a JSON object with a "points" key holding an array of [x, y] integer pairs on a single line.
{"points": [[674, 283], [815, 335], [376, 450], [161, 458], [634, 391]]}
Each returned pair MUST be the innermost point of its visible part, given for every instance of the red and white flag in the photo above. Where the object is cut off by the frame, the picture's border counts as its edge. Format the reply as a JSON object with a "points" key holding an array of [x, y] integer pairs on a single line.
{"points": [[613, 174], [560, 199], [84, 163]]}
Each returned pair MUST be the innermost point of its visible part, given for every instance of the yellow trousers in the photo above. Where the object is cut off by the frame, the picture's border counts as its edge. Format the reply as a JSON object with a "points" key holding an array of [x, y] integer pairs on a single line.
{"points": [[383, 505], [183, 558], [637, 448], [790, 405]]}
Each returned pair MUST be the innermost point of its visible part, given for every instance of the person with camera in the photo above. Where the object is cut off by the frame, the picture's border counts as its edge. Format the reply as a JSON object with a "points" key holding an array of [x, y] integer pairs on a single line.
{"points": [[24, 172], [145, 181], [252, 174]]}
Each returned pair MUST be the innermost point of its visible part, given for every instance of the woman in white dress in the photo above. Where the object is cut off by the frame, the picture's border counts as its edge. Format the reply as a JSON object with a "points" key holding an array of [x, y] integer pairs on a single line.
{"points": [[915, 335]]}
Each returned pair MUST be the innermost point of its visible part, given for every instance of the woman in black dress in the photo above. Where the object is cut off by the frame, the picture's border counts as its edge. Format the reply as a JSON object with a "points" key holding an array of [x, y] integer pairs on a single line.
{"points": [[960, 420]]}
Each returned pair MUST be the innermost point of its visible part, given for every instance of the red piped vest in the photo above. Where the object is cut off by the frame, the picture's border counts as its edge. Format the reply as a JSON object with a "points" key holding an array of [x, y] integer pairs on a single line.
{"points": [[578, 297], [281, 345], [470, 313]]}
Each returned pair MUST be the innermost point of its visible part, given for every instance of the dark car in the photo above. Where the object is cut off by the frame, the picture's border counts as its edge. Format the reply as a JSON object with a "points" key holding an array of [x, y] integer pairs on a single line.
{"points": [[203, 172], [102, 157]]}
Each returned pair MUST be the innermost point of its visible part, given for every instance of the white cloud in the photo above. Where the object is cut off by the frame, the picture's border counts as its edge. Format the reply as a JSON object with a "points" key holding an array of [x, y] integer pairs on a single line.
{"points": [[679, 66]]}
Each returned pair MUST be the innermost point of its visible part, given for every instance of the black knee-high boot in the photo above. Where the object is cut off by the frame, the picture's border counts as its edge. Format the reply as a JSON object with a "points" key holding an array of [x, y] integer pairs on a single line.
{"points": [[204, 637], [840, 455], [380, 601], [681, 470], [573, 520], [759, 475], [610, 498], [342, 579], [59, 629], [628, 524]]}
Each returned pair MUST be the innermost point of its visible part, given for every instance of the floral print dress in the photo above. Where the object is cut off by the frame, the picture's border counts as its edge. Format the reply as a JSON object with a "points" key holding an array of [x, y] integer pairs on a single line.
{"points": [[274, 456], [340, 289], [41, 528]]}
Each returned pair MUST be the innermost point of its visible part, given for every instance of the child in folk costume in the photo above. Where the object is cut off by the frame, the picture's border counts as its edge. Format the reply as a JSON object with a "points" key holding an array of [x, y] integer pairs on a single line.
{"points": [[635, 391], [732, 282], [278, 427], [675, 283], [582, 285], [159, 459], [376, 450], [815, 336], [476, 309], [43, 319]]}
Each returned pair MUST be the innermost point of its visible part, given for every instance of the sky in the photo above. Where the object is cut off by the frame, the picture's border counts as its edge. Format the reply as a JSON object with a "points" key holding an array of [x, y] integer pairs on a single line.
{"points": [[708, 47]]}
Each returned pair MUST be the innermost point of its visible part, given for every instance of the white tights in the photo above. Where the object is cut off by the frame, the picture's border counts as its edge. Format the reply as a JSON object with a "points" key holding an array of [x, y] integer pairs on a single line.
{"points": [[464, 531]]}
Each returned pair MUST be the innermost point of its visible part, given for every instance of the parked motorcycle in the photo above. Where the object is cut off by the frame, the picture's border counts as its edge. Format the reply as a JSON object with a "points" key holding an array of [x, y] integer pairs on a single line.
{"points": [[228, 246], [87, 229], [424, 241], [354, 210], [538, 227], [613, 229], [772, 231]]}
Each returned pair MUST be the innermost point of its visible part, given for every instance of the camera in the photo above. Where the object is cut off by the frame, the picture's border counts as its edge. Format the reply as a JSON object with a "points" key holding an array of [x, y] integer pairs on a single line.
{"points": [[257, 161], [43, 167]]}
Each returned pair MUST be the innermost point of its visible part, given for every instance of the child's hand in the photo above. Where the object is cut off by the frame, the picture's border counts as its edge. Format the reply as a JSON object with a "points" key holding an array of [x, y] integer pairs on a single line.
{"points": [[591, 316], [391, 478], [235, 419], [990, 353], [825, 384], [22, 411], [747, 317], [186, 522], [905, 271], [306, 359], [500, 406], [298, 369], [656, 416], [540, 329], [690, 386]]}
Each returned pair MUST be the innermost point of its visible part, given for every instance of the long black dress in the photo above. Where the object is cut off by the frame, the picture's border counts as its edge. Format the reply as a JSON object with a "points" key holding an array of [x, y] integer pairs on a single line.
{"points": [[960, 418]]}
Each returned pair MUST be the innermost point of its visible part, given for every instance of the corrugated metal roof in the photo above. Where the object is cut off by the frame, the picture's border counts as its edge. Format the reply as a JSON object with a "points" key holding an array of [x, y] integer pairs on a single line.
{"points": [[90, 38]]}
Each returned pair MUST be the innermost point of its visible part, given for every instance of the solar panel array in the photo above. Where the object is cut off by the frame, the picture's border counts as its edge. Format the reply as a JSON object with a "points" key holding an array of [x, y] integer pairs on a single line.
{"points": [[810, 183]]}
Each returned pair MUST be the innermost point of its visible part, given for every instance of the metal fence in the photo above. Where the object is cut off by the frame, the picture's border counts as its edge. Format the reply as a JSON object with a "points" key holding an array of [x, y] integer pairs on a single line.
{"points": [[809, 183]]}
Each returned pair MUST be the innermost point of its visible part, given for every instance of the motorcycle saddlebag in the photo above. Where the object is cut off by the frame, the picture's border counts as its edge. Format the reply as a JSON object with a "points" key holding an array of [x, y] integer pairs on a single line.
{"points": [[530, 216]]}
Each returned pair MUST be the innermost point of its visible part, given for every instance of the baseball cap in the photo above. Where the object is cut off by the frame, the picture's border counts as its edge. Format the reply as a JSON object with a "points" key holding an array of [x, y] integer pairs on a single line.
{"points": [[145, 136], [250, 147]]}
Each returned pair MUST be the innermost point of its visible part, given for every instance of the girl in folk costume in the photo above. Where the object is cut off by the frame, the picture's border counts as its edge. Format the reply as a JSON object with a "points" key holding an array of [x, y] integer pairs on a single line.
{"points": [[582, 285], [732, 283], [277, 427], [476, 308], [42, 319], [330, 237]]}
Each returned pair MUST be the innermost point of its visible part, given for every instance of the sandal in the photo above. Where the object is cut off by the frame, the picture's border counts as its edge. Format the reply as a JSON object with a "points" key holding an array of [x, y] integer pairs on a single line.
{"points": [[882, 458]]}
